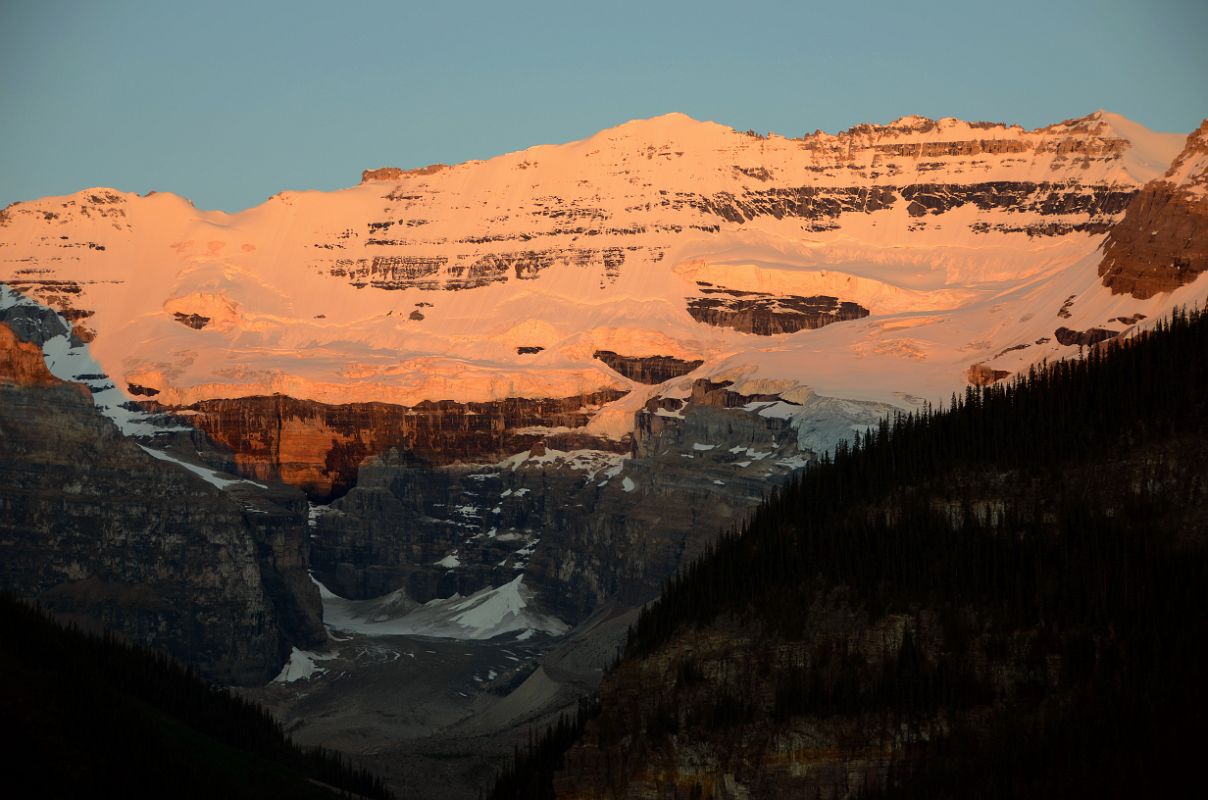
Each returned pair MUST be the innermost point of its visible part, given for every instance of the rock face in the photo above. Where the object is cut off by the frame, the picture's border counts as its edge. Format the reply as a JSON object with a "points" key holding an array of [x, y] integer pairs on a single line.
{"points": [[22, 364], [394, 173], [35, 324], [62, 296], [318, 447], [1085, 338], [101, 533], [582, 526], [194, 321], [1045, 199], [1162, 242], [647, 369], [767, 315], [982, 375]]}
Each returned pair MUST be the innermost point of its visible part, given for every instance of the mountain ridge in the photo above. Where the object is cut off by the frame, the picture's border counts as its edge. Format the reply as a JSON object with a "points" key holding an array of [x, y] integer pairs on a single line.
{"points": [[566, 369], [906, 124], [866, 266]]}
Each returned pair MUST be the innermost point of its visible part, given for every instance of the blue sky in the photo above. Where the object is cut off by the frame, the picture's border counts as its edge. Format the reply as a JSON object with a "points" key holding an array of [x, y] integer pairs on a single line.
{"points": [[229, 102]]}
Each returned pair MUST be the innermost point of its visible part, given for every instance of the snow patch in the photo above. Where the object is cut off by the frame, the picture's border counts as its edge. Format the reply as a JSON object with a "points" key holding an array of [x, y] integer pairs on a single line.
{"points": [[208, 475], [301, 666], [507, 609]]}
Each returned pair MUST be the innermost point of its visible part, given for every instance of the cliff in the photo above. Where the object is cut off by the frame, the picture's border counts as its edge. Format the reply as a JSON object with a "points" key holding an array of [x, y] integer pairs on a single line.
{"points": [[319, 447], [22, 364], [583, 526], [1162, 241], [102, 534]]}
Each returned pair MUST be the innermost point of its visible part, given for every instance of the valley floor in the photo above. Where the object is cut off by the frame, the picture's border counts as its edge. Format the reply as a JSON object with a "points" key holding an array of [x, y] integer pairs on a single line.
{"points": [[438, 718]]}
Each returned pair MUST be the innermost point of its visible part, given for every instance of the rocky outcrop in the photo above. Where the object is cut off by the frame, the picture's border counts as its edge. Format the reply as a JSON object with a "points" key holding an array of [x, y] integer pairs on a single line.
{"points": [[61, 296], [812, 203], [1044, 199], [1160, 245], [395, 173], [768, 314], [984, 374], [820, 204], [138, 390], [22, 364], [1162, 241], [1086, 338], [647, 369], [318, 447], [467, 270], [35, 324], [194, 321], [101, 533]]}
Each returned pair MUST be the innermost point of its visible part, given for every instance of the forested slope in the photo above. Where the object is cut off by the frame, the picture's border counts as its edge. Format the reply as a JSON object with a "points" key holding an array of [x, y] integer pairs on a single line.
{"points": [[90, 716], [1000, 599]]}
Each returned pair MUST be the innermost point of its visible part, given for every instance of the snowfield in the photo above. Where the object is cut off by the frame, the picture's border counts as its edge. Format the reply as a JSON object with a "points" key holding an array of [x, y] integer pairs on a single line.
{"points": [[510, 609], [428, 285]]}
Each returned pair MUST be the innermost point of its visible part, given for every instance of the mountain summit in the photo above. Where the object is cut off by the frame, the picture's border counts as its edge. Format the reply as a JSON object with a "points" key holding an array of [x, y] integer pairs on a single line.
{"points": [[664, 237]]}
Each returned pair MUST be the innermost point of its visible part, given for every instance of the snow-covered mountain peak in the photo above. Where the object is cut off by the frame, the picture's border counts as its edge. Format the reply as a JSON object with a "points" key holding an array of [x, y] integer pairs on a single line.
{"points": [[671, 122], [661, 238]]}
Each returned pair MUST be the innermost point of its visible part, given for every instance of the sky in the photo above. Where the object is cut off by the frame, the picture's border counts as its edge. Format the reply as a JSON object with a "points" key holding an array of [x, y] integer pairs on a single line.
{"points": [[227, 103]]}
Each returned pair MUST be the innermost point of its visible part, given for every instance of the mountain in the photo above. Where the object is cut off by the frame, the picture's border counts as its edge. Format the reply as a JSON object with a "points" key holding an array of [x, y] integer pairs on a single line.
{"points": [[500, 402], [666, 237], [665, 287]]}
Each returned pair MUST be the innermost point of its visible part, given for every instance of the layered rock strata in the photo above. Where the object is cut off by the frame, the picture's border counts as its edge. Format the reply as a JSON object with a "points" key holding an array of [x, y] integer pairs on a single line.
{"points": [[768, 315], [319, 447], [648, 369]]}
